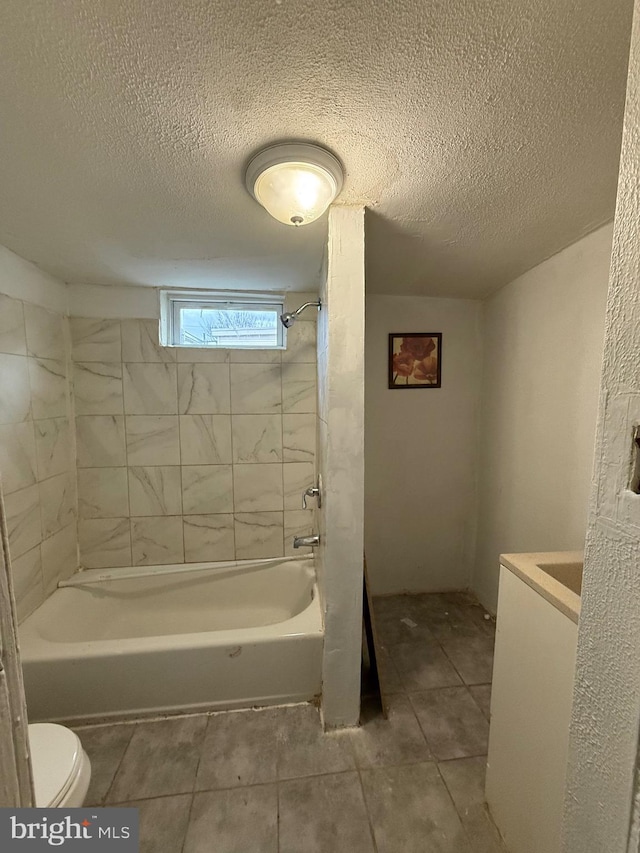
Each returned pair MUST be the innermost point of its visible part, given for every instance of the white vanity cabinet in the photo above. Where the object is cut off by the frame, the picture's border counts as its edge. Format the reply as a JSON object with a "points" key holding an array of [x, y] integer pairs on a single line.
{"points": [[532, 695]]}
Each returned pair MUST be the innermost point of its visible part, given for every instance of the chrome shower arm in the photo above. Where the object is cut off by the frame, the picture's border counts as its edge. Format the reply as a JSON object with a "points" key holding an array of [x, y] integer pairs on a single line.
{"points": [[289, 318], [317, 304]]}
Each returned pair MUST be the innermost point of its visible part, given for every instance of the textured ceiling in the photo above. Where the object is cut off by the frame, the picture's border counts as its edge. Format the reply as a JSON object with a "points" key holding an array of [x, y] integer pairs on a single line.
{"points": [[483, 134]]}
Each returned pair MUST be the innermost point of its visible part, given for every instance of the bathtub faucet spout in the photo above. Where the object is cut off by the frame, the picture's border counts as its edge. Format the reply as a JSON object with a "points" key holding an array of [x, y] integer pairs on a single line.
{"points": [[306, 541]]}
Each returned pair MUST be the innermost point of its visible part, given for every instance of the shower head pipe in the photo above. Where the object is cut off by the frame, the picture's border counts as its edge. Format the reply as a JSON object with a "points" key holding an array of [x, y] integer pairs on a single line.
{"points": [[290, 317]]}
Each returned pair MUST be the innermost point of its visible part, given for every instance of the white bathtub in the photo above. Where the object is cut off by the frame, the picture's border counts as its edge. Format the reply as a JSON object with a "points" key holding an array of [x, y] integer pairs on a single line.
{"points": [[210, 638]]}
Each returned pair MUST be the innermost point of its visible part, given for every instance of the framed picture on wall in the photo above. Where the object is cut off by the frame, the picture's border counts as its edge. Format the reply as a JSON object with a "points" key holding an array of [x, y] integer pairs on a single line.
{"points": [[415, 360]]}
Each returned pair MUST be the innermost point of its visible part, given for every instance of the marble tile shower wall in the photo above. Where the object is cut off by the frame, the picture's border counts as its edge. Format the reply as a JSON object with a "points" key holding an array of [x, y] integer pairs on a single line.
{"points": [[189, 455], [37, 464]]}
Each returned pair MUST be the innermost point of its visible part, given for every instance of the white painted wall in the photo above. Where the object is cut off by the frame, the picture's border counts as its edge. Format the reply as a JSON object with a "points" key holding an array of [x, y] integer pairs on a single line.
{"points": [[421, 450], [21, 279], [113, 302], [601, 795], [341, 464], [138, 302], [542, 338]]}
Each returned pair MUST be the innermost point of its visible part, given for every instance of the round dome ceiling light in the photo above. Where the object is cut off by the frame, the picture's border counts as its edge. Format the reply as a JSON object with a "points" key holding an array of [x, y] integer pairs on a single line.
{"points": [[294, 181]]}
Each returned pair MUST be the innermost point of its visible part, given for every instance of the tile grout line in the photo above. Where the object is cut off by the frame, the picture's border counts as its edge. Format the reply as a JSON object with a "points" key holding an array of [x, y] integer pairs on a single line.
{"points": [[454, 667], [124, 752], [358, 769], [182, 531], [457, 811], [367, 812], [120, 803], [71, 465], [282, 363], [195, 782], [483, 805], [126, 445], [455, 758], [440, 644], [266, 784], [200, 751], [424, 734], [189, 815], [32, 421], [232, 461], [277, 814]]}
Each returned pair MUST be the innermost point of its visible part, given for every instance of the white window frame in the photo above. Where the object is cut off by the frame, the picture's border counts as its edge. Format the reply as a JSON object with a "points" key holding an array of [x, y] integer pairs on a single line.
{"points": [[171, 301]]}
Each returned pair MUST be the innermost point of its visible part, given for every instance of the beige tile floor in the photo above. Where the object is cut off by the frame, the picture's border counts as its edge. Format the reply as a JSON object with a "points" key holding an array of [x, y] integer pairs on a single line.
{"points": [[270, 781]]}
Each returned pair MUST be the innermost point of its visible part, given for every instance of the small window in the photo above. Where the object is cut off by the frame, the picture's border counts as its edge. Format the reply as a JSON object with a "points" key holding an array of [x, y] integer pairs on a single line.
{"points": [[215, 320]]}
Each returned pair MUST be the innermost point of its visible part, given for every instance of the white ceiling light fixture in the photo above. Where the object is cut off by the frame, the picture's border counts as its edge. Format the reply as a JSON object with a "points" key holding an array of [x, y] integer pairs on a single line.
{"points": [[294, 181]]}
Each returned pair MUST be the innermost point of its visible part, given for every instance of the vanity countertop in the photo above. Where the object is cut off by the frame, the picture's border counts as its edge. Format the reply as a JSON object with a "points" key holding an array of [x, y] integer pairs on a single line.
{"points": [[555, 575]]}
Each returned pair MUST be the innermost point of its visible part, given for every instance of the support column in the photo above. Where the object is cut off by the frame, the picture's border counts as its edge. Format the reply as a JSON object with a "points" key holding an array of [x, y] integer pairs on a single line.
{"points": [[341, 463]]}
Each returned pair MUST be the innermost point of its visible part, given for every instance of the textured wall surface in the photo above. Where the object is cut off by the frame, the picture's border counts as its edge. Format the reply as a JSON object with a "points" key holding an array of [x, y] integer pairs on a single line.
{"points": [[341, 464], [421, 450], [484, 133], [37, 450], [190, 454], [542, 337], [604, 734]]}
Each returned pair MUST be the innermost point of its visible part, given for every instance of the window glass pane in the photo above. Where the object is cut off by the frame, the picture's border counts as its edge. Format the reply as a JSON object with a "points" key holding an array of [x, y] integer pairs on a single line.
{"points": [[227, 327]]}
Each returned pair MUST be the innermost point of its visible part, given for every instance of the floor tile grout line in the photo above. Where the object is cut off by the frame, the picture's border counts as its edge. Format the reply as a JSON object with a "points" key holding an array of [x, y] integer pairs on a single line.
{"points": [[477, 704], [424, 734], [287, 779], [462, 686], [186, 832], [105, 799], [424, 738], [200, 751], [277, 817], [455, 758], [483, 805], [461, 758], [435, 641], [155, 796], [284, 781], [457, 810], [367, 812], [421, 642], [451, 661], [357, 767], [359, 770], [432, 758], [121, 803], [455, 668]]}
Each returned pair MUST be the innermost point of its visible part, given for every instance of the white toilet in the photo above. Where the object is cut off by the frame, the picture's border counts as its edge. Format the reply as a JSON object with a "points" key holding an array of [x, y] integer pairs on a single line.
{"points": [[61, 767]]}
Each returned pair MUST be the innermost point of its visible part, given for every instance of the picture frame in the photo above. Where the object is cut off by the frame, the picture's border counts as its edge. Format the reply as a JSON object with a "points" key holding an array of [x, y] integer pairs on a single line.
{"points": [[415, 360]]}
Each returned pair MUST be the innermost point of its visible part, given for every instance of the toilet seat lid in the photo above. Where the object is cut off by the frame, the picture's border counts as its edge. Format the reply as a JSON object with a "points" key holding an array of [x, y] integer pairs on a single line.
{"points": [[56, 757]]}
